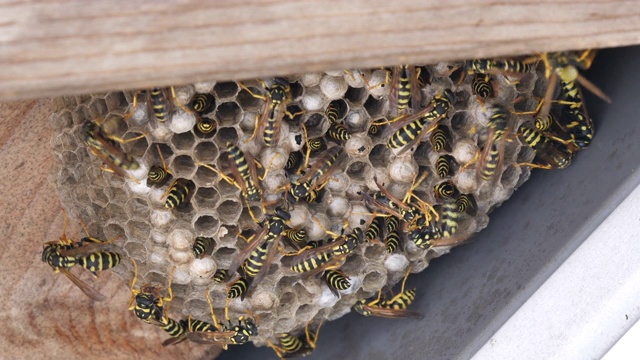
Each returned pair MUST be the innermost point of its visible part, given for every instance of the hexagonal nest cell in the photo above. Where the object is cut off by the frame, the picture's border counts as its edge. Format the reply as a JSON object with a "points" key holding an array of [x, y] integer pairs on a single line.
{"points": [[159, 238]]}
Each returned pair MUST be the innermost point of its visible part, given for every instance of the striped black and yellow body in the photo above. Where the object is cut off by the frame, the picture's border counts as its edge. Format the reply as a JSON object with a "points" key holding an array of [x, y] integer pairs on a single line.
{"points": [[256, 260], [206, 126], [327, 163], [338, 132], [236, 155], [481, 86], [439, 108], [423, 236], [490, 163], [58, 255], [179, 193], [391, 223], [404, 89], [203, 103], [159, 104], [445, 190], [149, 307], [392, 241], [317, 258], [238, 288], [296, 346], [106, 149], [374, 230], [300, 192], [401, 301], [332, 112], [312, 262], [549, 154], [449, 218], [532, 138], [201, 245], [574, 118], [51, 255], [491, 158], [467, 203], [396, 307], [253, 262], [157, 176], [293, 162], [99, 261], [441, 138], [336, 281], [316, 177], [220, 275], [193, 325], [278, 95], [409, 215], [498, 122], [296, 236], [543, 123], [252, 266], [173, 328], [351, 241], [244, 331], [315, 145], [445, 165], [290, 344], [498, 66]]}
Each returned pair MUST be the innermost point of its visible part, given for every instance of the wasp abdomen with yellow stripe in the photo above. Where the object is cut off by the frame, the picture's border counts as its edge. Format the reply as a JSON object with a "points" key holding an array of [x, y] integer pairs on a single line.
{"points": [[445, 165], [202, 246], [482, 87], [179, 193], [336, 281], [99, 261], [441, 138], [449, 219], [414, 127]]}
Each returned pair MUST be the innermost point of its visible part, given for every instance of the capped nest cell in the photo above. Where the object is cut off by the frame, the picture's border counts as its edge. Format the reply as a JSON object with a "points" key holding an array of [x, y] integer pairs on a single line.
{"points": [[159, 238]]}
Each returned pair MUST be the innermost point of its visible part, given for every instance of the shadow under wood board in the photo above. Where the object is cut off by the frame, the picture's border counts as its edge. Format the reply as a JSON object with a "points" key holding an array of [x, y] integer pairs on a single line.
{"points": [[467, 295], [43, 315], [53, 48]]}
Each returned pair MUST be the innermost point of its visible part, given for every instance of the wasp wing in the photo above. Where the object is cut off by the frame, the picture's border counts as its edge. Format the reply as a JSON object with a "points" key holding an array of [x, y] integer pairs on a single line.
{"points": [[88, 290]]}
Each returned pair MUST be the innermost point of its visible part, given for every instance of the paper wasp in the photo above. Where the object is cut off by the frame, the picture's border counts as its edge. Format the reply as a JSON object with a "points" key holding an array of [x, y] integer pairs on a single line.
{"points": [[65, 253], [395, 307], [224, 335], [316, 177], [202, 246], [178, 193], [104, 147], [159, 102], [146, 301], [268, 124], [409, 130], [292, 346], [203, 104], [405, 95], [254, 260], [336, 280], [158, 175], [549, 154]]}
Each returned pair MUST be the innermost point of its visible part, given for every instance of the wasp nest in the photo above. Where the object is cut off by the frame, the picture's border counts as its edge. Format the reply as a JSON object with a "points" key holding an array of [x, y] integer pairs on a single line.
{"points": [[159, 238]]}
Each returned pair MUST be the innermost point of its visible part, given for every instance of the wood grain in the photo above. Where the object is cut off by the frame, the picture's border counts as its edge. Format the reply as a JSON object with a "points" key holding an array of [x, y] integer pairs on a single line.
{"points": [[72, 47], [43, 315]]}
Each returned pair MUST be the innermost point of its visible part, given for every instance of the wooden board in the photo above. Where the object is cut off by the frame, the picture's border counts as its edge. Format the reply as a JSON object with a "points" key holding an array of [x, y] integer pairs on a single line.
{"points": [[63, 47]]}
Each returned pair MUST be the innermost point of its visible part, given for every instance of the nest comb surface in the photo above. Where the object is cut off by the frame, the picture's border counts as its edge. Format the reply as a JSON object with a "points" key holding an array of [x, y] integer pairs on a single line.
{"points": [[158, 238]]}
